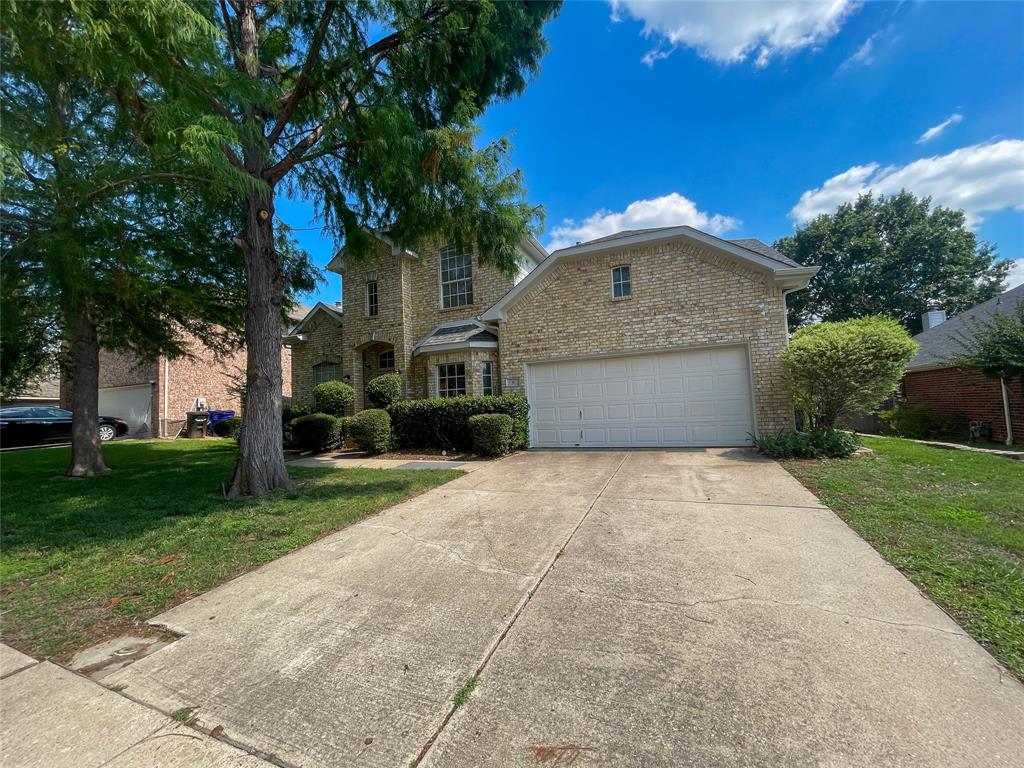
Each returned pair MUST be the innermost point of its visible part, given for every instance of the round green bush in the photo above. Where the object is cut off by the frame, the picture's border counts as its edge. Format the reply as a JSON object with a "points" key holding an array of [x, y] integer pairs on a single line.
{"points": [[294, 410], [492, 433], [229, 427], [384, 390], [333, 397], [371, 430], [316, 432]]}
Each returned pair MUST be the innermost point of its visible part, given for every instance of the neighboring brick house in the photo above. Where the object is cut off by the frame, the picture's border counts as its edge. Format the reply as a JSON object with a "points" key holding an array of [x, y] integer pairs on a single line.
{"points": [[658, 337], [962, 396], [155, 396]]}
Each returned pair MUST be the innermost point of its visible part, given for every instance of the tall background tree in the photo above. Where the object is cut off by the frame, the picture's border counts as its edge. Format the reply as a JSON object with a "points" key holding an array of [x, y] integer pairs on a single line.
{"points": [[891, 256], [116, 243], [368, 110]]}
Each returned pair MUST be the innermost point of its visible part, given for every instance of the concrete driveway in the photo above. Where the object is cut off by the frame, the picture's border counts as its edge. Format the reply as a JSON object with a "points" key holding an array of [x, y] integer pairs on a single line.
{"points": [[649, 608]]}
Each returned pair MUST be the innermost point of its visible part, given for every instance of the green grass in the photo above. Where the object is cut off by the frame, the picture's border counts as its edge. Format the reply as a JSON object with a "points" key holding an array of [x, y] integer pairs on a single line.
{"points": [[463, 694], [952, 521], [84, 559]]}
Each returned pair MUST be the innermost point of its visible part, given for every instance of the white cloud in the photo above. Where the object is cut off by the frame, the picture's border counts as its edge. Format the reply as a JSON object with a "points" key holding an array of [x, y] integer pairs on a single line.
{"points": [[935, 130], [667, 211], [1016, 275], [732, 32], [977, 179]]}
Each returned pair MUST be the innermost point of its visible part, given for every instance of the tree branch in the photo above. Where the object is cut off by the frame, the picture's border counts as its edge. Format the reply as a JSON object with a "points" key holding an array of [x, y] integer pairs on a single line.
{"points": [[142, 177], [302, 82]]}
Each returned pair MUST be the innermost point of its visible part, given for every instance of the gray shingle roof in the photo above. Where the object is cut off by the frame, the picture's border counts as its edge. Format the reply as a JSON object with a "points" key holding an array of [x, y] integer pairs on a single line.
{"points": [[749, 243], [938, 344], [456, 334]]}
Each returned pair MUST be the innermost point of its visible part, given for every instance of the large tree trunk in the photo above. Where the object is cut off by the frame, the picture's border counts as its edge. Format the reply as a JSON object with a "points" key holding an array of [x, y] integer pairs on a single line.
{"points": [[86, 456], [260, 468]]}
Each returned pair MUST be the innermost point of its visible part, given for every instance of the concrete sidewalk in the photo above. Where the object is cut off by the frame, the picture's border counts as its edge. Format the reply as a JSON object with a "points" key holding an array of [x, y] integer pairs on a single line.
{"points": [[52, 718]]}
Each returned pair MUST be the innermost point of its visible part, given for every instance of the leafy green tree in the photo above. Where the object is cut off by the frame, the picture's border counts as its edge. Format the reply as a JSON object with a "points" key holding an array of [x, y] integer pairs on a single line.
{"points": [[116, 243], [995, 348], [891, 256], [845, 368], [377, 131]]}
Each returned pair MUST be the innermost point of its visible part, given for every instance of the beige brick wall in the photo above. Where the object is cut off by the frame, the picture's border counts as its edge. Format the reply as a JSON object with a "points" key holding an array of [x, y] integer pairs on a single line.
{"points": [[324, 345], [423, 376], [683, 296]]}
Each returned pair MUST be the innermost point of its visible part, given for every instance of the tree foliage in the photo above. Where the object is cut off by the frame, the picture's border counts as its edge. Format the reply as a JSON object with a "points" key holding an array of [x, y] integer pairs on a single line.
{"points": [[378, 130], [891, 256], [994, 347], [845, 368]]}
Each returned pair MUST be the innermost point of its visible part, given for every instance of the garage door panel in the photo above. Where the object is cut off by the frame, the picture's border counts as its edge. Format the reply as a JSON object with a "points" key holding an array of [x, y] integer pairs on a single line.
{"points": [[133, 404], [684, 398]]}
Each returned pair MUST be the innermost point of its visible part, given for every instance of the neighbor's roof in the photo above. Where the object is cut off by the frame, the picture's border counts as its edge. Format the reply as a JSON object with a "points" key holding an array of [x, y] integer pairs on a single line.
{"points": [[940, 343], [786, 273], [457, 334]]}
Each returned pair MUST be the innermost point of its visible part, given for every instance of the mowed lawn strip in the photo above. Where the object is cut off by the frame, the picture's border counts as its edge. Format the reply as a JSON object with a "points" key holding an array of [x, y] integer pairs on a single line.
{"points": [[952, 521], [84, 559]]}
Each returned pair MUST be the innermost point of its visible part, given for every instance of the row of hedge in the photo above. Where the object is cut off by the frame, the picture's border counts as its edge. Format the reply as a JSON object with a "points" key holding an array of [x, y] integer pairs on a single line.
{"points": [[443, 422]]}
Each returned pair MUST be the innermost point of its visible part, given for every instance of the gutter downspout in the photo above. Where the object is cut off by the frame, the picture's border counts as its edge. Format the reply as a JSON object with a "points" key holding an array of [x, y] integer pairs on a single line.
{"points": [[1006, 411], [167, 378]]}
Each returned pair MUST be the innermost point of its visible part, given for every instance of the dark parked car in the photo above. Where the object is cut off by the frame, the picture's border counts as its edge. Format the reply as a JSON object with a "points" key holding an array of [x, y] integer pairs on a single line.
{"points": [[39, 425]]}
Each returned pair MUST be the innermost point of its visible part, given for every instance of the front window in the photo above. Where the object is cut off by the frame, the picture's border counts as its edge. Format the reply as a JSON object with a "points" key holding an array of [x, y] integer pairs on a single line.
{"points": [[485, 375], [325, 372], [456, 277], [372, 307], [622, 284], [386, 359], [451, 379]]}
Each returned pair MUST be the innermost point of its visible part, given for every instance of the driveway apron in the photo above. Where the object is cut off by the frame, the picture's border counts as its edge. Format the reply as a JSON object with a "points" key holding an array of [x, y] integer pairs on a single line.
{"points": [[648, 608]]}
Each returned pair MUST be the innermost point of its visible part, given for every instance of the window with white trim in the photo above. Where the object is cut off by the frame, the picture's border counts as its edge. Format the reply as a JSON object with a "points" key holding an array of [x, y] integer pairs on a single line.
{"points": [[486, 378], [451, 379], [326, 372], [622, 283], [372, 304], [386, 359], [456, 277]]}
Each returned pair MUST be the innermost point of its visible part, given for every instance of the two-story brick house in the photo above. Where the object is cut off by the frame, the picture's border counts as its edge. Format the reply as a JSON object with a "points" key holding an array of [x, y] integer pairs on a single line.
{"points": [[657, 337]]}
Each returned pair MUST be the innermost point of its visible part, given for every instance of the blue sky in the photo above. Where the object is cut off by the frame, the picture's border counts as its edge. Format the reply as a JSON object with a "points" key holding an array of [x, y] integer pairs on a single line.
{"points": [[746, 118]]}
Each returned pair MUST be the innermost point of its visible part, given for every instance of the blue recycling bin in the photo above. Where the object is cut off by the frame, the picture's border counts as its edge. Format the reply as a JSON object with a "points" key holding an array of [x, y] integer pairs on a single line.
{"points": [[216, 417]]}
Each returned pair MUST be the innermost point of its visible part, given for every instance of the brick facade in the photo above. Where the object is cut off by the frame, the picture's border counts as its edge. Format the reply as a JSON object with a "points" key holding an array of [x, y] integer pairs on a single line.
{"points": [[204, 373], [964, 396], [409, 308], [683, 296]]}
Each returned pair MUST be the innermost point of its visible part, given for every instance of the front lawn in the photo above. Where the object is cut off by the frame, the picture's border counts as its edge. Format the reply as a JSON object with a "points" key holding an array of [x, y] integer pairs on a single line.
{"points": [[86, 559], [952, 521]]}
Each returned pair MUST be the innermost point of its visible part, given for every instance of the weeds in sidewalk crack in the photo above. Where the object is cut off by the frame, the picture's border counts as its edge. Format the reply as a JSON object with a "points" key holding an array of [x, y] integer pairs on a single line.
{"points": [[465, 692]]}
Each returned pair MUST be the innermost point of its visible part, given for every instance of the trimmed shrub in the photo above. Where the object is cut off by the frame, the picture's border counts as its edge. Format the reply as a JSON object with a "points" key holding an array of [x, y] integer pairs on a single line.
{"points": [[333, 397], [837, 370], [384, 390], [919, 421], [818, 444], [294, 410], [371, 430], [444, 422], [492, 433], [229, 427], [316, 432]]}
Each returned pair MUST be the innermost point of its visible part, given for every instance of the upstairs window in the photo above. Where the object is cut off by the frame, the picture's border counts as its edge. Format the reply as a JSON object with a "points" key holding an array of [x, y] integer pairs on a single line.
{"points": [[622, 284], [372, 306], [451, 379], [456, 277], [386, 360], [486, 378], [325, 372]]}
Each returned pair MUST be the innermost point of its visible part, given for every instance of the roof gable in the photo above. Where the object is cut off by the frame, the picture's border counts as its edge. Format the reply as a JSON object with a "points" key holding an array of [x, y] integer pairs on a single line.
{"points": [[320, 307]]}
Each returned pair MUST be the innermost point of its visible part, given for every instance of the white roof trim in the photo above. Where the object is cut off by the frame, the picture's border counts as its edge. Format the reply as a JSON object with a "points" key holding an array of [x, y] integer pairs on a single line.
{"points": [[320, 306], [794, 277], [455, 345]]}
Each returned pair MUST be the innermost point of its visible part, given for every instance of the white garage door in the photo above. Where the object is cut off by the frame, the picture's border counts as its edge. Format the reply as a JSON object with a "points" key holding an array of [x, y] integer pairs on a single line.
{"points": [[129, 403], [694, 397]]}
